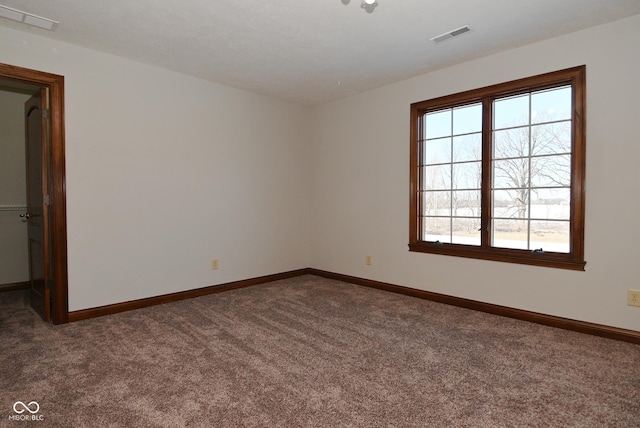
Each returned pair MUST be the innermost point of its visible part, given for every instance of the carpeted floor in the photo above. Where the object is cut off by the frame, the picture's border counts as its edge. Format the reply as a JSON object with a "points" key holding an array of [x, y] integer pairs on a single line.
{"points": [[310, 352]]}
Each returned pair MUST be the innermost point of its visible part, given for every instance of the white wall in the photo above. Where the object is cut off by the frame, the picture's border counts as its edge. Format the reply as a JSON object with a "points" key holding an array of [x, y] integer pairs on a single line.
{"points": [[360, 183], [166, 172], [14, 261]]}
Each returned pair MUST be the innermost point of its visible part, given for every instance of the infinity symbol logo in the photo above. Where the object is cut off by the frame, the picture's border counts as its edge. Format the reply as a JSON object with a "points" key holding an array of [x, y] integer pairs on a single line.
{"points": [[26, 407]]}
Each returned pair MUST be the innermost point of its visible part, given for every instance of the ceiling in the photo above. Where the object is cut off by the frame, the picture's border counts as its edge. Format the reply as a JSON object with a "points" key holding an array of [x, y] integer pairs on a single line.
{"points": [[310, 51]]}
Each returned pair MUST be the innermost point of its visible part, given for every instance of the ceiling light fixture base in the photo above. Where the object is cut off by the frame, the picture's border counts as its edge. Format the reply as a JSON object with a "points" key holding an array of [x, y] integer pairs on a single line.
{"points": [[369, 5]]}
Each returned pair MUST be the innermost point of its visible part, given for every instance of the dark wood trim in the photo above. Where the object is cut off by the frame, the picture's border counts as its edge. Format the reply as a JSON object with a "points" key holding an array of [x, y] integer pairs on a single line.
{"points": [[57, 187], [115, 308], [550, 260], [579, 157], [15, 286], [415, 154], [534, 317]]}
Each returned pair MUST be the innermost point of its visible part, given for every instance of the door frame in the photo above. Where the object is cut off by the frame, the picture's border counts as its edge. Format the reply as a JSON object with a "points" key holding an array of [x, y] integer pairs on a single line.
{"points": [[57, 186]]}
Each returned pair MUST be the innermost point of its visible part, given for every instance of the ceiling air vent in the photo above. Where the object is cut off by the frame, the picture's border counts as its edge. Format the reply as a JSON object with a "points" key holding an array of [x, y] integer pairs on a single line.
{"points": [[28, 18], [451, 34]]}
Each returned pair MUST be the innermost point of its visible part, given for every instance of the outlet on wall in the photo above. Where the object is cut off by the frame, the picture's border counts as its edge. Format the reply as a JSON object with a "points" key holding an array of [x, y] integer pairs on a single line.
{"points": [[633, 297], [368, 260], [214, 264]]}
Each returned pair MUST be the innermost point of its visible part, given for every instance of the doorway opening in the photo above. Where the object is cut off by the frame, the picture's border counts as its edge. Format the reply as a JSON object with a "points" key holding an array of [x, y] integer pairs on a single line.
{"points": [[54, 192]]}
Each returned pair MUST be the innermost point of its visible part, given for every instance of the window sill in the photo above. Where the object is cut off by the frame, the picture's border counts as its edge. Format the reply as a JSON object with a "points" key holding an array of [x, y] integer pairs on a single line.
{"points": [[550, 260]]}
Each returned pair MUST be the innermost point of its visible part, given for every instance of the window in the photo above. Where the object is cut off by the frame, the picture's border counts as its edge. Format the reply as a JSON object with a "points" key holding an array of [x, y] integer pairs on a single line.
{"points": [[497, 173]]}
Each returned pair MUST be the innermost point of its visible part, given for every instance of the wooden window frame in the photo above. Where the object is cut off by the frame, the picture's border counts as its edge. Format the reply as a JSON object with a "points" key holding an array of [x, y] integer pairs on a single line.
{"points": [[574, 259]]}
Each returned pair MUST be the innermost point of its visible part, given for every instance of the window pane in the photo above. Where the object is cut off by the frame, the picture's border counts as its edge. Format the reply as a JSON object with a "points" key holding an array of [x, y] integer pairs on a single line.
{"points": [[436, 177], [509, 112], [437, 151], [436, 203], [551, 204], [466, 203], [436, 229], [467, 119], [552, 236], [465, 231], [467, 175], [551, 105], [511, 203], [511, 173], [551, 171], [467, 148], [551, 138], [511, 234], [438, 124], [511, 143]]}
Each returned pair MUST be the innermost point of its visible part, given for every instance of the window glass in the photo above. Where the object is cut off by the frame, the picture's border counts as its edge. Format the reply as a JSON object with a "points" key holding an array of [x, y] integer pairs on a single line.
{"points": [[437, 151], [438, 124], [467, 119], [467, 147], [551, 105], [510, 112]]}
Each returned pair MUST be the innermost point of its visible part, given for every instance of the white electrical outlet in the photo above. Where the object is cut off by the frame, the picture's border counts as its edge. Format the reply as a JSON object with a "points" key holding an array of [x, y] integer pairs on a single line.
{"points": [[214, 264], [368, 260], [633, 297]]}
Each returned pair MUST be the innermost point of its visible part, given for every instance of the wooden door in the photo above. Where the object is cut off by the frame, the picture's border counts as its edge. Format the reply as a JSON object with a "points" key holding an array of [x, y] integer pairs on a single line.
{"points": [[36, 130]]}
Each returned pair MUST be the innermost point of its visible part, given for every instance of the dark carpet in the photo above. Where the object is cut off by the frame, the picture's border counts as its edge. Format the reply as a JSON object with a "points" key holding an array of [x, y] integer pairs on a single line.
{"points": [[309, 352]]}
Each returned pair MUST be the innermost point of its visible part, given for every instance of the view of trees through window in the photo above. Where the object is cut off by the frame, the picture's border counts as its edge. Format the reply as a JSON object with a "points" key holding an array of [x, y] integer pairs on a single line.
{"points": [[530, 172]]}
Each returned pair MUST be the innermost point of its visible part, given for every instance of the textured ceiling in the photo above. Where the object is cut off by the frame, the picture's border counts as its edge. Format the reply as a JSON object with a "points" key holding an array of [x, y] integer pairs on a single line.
{"points": [[310, 51]]}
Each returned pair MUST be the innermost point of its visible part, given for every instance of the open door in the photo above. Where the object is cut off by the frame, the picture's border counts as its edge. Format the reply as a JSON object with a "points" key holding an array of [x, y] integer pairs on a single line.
{"points": [[36, 133], [51, 267]]}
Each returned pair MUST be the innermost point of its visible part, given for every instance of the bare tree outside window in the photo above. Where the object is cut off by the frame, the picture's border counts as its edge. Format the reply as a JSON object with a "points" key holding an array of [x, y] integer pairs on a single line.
{"points": [[532, 170], [451, 172]]}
